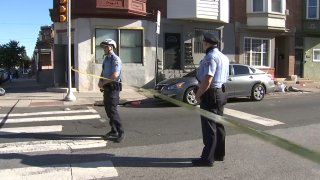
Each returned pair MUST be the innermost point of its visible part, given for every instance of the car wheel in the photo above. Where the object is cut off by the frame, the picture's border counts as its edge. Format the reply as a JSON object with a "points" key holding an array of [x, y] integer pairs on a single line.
{"points": [[190, 96], [257, 92]]}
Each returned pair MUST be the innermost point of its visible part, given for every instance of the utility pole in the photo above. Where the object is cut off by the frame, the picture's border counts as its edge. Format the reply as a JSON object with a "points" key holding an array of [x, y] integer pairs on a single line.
{"points": [[70, 96], [157, 44]]}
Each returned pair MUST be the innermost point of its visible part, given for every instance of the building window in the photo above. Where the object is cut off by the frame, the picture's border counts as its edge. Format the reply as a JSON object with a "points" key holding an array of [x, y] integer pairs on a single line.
{"points": [[257, 5], [276, 6], [257, 52], [312, 9], [129, 44], [198, 39], [316, 55]]}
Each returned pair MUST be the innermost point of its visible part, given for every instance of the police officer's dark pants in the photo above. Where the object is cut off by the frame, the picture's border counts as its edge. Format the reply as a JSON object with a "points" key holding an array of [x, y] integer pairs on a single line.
{"points": [[111, 101], [213, 133]]}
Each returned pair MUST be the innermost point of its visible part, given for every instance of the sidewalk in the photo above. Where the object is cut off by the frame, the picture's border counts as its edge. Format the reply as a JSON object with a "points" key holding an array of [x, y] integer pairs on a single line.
{"points": [[28, 93]]}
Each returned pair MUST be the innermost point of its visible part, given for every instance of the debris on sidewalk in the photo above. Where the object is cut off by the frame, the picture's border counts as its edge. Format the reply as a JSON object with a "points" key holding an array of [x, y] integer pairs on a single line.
{"points": [[280, 87], [2, 92], [293, 89]]}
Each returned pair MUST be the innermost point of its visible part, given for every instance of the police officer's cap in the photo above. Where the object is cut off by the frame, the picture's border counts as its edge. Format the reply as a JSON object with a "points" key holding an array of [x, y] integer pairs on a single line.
{"points": [[210, 37], [108, 42]]}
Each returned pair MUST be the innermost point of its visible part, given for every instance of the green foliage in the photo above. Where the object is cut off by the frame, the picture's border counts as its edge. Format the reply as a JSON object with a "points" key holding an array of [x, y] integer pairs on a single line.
{"points": [[12, 55]]}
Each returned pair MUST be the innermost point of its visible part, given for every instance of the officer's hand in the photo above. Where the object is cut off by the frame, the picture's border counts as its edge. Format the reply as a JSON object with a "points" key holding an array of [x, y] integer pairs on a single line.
{"points": [[101, 90]]}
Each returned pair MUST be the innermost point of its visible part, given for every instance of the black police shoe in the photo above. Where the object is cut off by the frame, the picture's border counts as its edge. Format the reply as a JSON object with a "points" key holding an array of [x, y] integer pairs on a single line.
{"points": [[219, 158], [111, 135], [120, 137], [202, 162]]}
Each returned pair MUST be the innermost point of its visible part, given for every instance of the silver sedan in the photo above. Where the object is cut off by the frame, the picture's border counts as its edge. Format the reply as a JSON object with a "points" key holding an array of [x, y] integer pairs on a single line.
{"points": [[243, 81]]}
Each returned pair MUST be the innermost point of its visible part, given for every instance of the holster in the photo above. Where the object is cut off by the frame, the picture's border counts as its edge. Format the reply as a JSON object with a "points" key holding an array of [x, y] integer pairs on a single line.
{"points": [[113, 86]]}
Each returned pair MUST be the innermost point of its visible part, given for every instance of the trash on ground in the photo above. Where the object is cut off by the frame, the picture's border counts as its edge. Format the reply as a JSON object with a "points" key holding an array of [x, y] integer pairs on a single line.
{"points": [[280, 87], [2, 92], [293, 89]]}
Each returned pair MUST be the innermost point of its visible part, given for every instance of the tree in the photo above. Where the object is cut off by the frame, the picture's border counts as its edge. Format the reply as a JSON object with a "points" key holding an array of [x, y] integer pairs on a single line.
{"points": [[12, 55]]}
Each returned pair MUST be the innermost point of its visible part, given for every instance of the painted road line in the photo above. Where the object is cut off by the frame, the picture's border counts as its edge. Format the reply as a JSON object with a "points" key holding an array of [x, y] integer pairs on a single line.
{"points": [[33, 129], [90, 110], [79, 171], [252, 118], [50, 145], [54, 118]]}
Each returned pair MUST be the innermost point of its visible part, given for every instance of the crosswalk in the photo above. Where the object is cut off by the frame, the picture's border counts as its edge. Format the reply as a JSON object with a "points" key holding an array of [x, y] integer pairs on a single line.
{"points": [[14, 124]]}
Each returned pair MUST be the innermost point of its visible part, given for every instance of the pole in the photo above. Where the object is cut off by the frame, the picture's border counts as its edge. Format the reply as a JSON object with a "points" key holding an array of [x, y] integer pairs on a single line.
{"points": [[157, 44], [156, 62], [70, 96]]}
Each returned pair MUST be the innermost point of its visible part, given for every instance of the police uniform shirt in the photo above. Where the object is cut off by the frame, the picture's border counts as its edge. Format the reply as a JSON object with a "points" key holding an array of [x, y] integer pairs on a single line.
{"points": [[214, 64], [111, 64]]}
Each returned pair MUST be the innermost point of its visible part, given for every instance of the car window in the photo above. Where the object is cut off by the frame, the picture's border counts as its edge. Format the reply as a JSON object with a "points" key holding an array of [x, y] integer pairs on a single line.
{"points": [[240, 70]]}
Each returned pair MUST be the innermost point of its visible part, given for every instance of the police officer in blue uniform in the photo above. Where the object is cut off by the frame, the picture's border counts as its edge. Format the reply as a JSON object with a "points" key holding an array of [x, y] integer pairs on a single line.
{"points": [[212, 73], [111, 87]]}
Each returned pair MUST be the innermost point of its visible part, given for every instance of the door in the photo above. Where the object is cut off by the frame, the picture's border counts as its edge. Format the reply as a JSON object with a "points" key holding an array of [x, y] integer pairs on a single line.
{"points": [[172, 51], [241, 81], [298, 63]]}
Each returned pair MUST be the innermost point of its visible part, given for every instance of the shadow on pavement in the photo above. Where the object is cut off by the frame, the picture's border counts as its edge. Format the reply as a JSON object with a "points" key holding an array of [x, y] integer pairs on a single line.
{"points": [[46, 136], [24, 85], [60, 160]]}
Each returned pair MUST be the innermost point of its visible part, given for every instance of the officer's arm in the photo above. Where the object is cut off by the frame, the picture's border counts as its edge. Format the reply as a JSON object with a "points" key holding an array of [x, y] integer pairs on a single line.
{"points": [[204, 86], [114, 75]]}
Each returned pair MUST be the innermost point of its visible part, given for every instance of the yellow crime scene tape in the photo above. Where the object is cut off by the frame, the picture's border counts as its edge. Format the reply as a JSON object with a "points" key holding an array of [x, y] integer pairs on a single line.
{"points": [[275, 140]]}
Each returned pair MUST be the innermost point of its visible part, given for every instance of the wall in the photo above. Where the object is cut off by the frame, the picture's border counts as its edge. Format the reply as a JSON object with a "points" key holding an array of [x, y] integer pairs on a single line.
{"points": [[187, 30], [311, 68], [132, 74]]}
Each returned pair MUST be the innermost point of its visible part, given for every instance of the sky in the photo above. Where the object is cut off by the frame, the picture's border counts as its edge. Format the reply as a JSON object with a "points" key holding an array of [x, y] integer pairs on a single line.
{"points": [[20, 20]]}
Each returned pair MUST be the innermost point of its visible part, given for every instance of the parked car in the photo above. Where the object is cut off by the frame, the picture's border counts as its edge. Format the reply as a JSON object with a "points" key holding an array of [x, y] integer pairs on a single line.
{"points": [[243, 81]]}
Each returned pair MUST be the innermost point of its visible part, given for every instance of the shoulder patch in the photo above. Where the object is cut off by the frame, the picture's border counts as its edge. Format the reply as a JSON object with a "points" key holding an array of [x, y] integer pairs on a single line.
{"points": [[115, 62]]}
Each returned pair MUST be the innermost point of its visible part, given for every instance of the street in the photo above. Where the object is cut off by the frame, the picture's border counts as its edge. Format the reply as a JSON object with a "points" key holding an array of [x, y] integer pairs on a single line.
{"points": [[59, 142]]}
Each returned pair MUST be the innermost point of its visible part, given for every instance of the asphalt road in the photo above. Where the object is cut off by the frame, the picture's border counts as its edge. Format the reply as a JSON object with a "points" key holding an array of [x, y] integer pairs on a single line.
{"points": [[161, 139]]}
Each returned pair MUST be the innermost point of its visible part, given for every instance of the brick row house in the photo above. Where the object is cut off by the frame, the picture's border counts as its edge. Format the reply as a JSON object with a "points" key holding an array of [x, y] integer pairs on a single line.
{"points": [[272, 35], [42, 56]]}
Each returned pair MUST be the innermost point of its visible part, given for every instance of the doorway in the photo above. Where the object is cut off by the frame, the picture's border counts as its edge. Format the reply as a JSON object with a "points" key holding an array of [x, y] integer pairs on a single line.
{"points": [[298, 63], [172, 51]]}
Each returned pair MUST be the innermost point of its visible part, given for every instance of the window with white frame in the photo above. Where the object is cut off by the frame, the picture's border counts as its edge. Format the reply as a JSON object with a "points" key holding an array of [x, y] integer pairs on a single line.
{"points": [[257, 5], [129, 44], [316, 55], [276, 6], [312, 9], [257, 52]]}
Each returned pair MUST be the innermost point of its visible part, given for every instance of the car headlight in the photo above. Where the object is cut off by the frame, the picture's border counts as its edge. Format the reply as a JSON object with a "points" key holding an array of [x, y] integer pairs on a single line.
{"points": [[176, 86]]}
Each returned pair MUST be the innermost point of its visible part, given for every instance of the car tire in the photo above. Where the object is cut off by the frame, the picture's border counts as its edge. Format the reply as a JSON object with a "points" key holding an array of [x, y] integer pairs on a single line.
{"points": [[258, 92], [190, 96]]}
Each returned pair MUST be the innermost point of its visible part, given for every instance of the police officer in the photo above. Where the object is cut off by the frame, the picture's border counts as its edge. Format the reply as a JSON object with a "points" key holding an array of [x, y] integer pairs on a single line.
{"points": [[212, 73], [111, 87]]}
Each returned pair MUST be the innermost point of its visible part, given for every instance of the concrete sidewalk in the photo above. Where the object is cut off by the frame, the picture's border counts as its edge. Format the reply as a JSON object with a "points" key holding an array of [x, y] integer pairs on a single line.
{"points": [[26, 92]]}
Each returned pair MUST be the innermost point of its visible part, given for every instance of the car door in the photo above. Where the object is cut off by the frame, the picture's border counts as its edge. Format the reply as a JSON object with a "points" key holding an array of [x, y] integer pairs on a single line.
{"points": [[241, 80], [229, 84]]}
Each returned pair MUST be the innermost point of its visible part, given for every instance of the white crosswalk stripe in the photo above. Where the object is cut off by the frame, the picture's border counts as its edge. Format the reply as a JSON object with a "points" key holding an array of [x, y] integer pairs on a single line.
{"points": [[39, 129], [13, 125], [252, 118]]}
